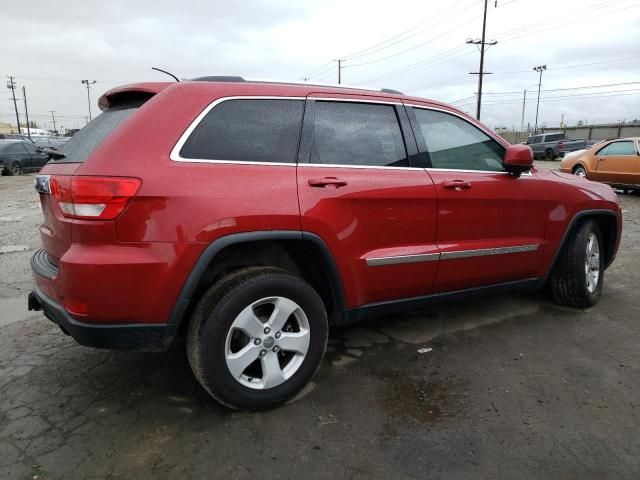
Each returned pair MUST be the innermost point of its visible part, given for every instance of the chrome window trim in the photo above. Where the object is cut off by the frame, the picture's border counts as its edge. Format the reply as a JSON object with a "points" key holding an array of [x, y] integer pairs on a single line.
{"points": [[420, 257], [175, 151], [430, 257], [339, 165]]}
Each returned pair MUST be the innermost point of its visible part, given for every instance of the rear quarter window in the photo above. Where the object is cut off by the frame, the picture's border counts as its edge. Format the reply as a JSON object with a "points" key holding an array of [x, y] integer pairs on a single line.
{"points": [[247, 130]]}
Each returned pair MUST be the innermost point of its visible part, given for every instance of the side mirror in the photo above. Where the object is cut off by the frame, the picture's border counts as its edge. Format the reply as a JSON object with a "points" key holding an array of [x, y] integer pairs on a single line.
{"points": [[518, 158]]}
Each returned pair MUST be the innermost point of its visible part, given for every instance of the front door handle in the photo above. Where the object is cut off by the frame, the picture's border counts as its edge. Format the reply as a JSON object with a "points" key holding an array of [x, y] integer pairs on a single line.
{"points": [[326, 181], [456, 185]]}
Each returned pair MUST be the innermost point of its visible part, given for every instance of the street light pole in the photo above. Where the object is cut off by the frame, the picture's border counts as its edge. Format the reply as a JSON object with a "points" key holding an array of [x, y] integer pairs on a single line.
{"points": [[88, 84], [524, 101], [539, 68]]}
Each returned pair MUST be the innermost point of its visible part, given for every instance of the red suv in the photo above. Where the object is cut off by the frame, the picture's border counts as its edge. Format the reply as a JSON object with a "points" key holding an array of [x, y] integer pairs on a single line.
{"points": [[253, 215]]}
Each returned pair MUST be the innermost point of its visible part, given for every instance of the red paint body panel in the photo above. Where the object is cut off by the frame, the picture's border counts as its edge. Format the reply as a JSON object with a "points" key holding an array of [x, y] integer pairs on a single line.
{"points": [[498, 210], [378, 209], [132, 269]]}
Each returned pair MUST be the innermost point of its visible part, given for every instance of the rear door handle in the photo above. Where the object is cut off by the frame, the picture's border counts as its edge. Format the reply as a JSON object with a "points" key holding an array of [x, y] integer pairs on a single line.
{"points": [[456, 185], [326, 181]]}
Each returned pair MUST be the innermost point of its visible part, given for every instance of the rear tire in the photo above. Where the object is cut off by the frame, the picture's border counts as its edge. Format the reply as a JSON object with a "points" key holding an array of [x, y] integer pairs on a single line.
{"points": [[576, 278], [257, 337], [549, 154]]}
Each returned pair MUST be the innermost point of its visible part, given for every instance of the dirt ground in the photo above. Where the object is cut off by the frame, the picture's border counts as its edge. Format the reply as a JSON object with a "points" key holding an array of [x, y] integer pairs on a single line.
{"points": [[514, 387]]}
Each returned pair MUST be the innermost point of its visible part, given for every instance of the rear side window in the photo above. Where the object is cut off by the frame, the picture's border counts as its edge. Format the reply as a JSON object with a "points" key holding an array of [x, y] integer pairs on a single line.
{"points": [[454, 143], [248, 130], [83, 143], [347, 133]]}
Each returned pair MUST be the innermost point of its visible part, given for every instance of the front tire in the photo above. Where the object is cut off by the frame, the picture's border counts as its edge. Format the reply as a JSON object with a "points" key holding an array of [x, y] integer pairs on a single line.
{"points": [[576, 278], [257, 337], [580, 171], [16, 169]]}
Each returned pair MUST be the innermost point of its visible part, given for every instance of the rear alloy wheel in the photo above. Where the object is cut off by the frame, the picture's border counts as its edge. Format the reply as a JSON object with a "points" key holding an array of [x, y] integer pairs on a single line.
{"points": [[549, 154], [580, 171], [257, 337], [576, 278], [16, 169]]}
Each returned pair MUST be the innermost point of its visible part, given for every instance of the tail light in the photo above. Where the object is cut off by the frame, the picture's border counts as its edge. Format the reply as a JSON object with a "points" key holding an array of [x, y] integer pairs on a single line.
{"points": [[560, 146], [93, 198]]}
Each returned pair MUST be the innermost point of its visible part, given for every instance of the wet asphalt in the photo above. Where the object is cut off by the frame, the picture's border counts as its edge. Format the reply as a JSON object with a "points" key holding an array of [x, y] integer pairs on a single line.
{"points": [[512, 387]]}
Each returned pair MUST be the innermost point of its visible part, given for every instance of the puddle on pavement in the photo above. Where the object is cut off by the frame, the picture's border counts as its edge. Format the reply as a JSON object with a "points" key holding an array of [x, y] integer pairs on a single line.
{"points": [[418, 400], [13, 310]]}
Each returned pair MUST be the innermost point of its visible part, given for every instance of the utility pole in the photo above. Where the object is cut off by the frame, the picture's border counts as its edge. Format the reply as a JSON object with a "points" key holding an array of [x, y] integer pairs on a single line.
{"points": [[539, 68], [339, 71], [11, 85], [53, 117], [524, 101], [88, 84], [482, 44], [26, 110]]}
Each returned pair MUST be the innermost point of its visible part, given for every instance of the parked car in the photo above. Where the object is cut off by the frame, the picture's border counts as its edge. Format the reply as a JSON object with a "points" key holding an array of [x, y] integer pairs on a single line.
{"points": [[20, 156], [51, 142], [553, 145], [254, 215], [615, 162], [13, 136]]}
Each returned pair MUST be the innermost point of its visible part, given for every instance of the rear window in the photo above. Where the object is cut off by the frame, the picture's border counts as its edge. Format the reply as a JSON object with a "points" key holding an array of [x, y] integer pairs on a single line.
{"points": [[80, 146], [247, 130]]}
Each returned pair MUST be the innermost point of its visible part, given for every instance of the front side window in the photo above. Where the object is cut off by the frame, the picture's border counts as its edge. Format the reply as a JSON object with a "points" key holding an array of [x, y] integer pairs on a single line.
{"points": [[248, 130], [349, 133], [454, 143], [535, 139], [619, 148]]}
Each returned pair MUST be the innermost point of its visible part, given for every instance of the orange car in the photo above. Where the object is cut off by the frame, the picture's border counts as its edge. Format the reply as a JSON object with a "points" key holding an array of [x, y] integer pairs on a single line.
{"points": [[616, 162]]}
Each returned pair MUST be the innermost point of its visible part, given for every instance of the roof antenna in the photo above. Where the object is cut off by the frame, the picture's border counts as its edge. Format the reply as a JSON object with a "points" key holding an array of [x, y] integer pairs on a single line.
{"points": [[168, 73]]}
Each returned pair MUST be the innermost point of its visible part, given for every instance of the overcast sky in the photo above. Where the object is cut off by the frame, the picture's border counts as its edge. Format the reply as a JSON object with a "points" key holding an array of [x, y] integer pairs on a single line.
{"points": [[416, 46]]}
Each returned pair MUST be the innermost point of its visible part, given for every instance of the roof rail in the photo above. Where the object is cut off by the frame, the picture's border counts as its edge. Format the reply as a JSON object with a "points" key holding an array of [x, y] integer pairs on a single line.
{"points": [[232, 79]]}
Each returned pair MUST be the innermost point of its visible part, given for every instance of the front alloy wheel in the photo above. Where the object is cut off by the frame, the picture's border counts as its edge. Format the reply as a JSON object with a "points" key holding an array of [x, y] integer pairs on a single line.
{"points": [[16, 169], [577, 276], [580, 172]]}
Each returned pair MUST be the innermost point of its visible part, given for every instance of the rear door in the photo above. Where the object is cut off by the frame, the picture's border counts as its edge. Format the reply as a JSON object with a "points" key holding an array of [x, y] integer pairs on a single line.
{"points": [[617, 162], [491, 224], [359, 191]]}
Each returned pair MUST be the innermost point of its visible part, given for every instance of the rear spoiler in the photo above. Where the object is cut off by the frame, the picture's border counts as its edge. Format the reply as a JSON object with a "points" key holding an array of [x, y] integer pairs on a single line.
{"points": [[132, 91]]}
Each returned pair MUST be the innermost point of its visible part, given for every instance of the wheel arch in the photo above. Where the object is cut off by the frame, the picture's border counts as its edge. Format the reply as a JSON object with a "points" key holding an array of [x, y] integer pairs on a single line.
{"points": [[606, 221], [302, 253]]}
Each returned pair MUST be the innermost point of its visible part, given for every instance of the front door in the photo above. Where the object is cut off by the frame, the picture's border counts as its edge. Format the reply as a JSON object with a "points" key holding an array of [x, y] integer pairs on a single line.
{"points": [[618, 162], [359, 192], [491, 224]]}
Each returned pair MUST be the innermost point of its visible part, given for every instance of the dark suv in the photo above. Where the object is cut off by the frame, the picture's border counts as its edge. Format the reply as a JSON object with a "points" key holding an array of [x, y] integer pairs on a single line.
{"points": [[251, 216]]}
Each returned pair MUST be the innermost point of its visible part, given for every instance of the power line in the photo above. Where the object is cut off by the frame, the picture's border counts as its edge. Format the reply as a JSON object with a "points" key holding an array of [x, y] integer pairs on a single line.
{"points": [[374, 48]]}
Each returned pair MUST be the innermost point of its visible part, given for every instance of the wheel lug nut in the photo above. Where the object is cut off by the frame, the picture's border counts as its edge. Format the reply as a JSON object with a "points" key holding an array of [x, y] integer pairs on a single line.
{"points": [[267, 331], [257, 341], [276, 349], [263, 353], [278, 334]]}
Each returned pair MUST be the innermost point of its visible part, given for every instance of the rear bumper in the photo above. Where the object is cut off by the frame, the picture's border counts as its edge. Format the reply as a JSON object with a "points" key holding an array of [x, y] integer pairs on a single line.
{"points": [[139, 337]]}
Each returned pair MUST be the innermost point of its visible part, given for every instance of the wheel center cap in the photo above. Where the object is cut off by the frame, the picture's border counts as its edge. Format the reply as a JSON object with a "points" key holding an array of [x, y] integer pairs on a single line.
{"points": [[268, 342]]}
